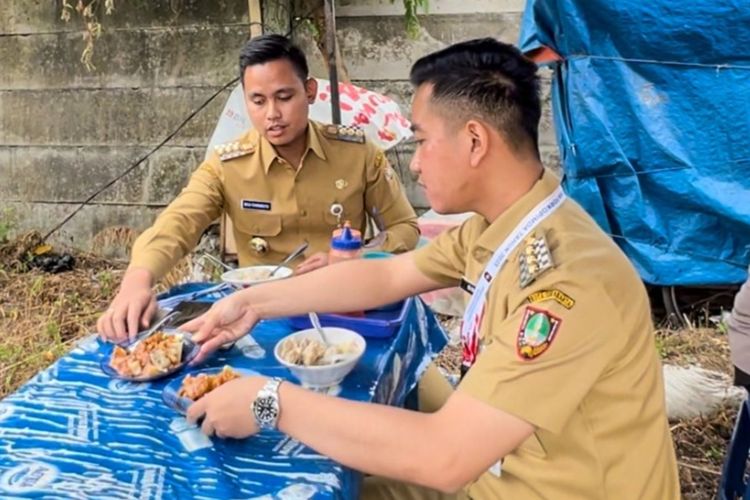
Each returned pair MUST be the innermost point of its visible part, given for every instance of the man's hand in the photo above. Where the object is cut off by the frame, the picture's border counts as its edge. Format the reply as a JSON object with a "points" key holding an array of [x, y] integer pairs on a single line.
{"points": [[227, 410], [312, 263], [132, 308], [228, 320]]}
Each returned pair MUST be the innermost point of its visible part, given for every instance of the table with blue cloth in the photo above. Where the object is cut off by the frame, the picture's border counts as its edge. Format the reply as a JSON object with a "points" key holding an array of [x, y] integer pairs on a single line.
{"points": [[74, 432]]}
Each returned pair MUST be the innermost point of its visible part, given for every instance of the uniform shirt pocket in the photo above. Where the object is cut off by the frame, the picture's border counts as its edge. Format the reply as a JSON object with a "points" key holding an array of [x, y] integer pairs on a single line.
{"points": [[533, 446], [257, 224]]}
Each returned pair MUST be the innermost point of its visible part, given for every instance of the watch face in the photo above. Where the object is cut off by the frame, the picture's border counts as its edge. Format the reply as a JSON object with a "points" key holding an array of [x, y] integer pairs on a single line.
{"points": [[265, 409]]}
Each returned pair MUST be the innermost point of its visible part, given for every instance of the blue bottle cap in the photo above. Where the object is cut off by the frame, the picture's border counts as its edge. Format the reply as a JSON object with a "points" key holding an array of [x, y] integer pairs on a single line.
{"points": [[346, 240]]}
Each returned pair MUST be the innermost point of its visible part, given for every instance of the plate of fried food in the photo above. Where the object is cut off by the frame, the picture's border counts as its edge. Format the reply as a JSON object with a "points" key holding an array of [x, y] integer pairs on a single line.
{"points": [[180, 393], [152, 357]]}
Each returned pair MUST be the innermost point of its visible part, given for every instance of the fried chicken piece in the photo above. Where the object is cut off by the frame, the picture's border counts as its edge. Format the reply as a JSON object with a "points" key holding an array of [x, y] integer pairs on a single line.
{"points": [[195, 387]]}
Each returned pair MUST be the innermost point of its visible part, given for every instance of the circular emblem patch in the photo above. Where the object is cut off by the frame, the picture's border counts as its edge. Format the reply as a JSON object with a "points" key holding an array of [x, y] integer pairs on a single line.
{"points": [[536, 333]]}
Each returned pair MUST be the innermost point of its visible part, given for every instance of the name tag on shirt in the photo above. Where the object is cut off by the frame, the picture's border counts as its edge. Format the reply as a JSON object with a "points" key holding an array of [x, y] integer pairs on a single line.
{"points": [[466, 286], [256, 205]]}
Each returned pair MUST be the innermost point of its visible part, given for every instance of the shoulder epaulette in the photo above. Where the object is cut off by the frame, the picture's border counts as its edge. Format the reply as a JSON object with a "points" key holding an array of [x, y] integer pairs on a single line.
{"points": [[344, 133], [231, 150], [535, 258]]}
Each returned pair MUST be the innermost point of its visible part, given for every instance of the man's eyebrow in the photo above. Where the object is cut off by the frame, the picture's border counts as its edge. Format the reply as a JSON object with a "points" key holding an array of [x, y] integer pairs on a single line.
{"points": [[276, 92]]}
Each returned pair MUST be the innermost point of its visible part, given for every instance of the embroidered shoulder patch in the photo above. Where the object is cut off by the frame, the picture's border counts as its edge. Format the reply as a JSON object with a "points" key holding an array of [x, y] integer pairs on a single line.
{"points": [[231, 150], [344, 133], [535, 259], [537, 331], [560, 297]]}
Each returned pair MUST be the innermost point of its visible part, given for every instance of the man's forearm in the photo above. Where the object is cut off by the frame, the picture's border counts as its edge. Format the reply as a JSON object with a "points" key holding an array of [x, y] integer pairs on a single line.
{"points": [[375, 439], [138, 276], [347, 286]]}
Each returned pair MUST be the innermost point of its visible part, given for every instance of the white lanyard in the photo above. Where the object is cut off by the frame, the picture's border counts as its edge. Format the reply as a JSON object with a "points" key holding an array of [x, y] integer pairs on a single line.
{"points": [[475, 309]]}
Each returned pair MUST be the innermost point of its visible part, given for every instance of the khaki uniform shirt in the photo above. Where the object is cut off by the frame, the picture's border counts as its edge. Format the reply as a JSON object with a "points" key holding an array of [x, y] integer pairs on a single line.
{"points": [[591, 383], [272, 202]]}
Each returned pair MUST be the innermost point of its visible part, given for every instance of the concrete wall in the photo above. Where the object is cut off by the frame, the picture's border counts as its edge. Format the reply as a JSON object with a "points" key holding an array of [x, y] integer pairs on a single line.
{"points": [[378, 53], [64, 132]]}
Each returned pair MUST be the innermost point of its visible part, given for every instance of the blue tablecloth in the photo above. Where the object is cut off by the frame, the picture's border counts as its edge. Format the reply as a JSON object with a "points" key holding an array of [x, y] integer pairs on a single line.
{"points": [[72, 432]]}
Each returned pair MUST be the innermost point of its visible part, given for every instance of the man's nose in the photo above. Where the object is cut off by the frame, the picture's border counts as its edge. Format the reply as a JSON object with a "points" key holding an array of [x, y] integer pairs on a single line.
{"points": [[273, 110], [414, 165]]}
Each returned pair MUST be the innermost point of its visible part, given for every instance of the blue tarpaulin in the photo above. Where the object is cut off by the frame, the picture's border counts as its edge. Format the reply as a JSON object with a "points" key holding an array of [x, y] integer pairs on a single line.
{"points": [[651, 103]]}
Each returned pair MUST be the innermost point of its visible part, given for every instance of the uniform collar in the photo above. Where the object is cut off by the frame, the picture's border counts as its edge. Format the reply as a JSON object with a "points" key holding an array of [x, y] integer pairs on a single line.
{"points": [[494, 233], [269, 155]]}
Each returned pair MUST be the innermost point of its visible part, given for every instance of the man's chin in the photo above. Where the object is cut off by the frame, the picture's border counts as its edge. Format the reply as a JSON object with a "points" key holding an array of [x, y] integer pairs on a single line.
{"points": [[444, 208]]}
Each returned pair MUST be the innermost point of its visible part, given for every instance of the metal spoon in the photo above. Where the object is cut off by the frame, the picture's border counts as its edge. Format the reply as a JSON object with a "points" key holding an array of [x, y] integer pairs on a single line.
{"points": [[152, 329], [297, 251], [329, 358], [316, 324]]}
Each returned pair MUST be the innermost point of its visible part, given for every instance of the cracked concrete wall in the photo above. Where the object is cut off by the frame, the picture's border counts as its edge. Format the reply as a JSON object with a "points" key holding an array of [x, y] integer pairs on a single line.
{"points": [[65, 132]]}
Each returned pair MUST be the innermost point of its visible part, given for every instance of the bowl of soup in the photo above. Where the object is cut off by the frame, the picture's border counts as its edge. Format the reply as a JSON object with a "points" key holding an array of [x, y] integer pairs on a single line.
{"points": [[254, 275]]}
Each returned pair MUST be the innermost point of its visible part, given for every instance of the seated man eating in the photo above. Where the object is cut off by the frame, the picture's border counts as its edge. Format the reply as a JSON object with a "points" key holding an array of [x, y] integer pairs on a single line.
{"points": [[562, 394]]}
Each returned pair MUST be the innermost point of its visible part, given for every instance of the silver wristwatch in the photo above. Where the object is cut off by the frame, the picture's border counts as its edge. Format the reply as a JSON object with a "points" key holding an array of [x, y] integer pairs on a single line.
{"points": [[266, 405]]}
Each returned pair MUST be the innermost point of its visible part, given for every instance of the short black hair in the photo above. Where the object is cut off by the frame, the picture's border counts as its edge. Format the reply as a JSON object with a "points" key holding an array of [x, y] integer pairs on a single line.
{"points": [[267, 48], [485, 79]]}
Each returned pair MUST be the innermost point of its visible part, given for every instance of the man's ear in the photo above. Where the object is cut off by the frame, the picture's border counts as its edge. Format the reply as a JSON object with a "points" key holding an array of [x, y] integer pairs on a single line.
{"points": [[480, 141], [311, 90]]}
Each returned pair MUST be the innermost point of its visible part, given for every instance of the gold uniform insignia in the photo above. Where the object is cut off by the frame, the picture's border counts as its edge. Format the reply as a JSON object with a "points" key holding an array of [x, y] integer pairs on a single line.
{"points": [[341, 184], [344, 133], [554, 294], [232, 150], [535, 259]]}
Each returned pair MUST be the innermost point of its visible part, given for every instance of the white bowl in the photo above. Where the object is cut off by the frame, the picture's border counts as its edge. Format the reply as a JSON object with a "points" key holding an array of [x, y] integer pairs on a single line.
{"points": [[323, 376], [253, 275]]}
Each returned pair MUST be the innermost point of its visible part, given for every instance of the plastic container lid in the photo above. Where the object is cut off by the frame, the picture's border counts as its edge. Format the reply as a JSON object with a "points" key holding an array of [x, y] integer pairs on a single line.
{"points": [[346, 240]]}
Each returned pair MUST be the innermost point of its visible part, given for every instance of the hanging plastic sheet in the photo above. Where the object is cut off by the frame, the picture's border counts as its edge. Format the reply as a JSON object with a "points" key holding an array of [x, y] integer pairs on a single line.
{"points": [[651, 103]]}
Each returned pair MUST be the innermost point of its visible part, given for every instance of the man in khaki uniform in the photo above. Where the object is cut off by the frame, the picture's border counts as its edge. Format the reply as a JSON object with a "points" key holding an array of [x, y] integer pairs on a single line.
{"points": [[286, 181], [562, 394]]}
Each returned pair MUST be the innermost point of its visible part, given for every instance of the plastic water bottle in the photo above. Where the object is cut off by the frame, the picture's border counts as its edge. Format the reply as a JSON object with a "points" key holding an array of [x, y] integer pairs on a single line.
{"points": [[346, 244]]}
